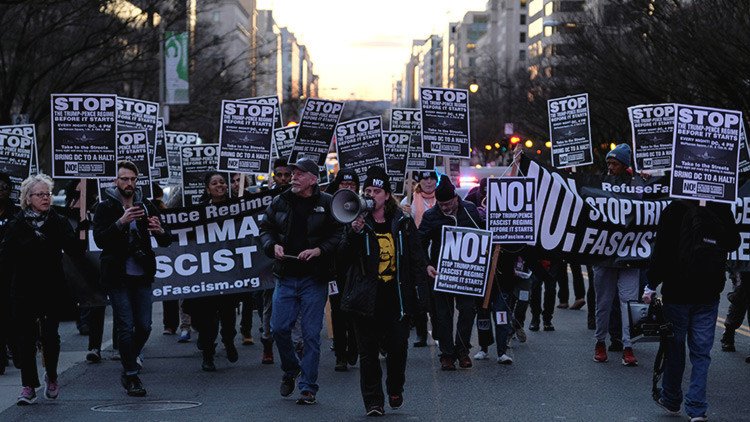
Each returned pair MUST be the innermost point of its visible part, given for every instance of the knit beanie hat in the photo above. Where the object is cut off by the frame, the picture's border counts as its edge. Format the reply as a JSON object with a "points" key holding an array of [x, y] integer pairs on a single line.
{"points": [[445, 190], [621, 153], [377, 177]]}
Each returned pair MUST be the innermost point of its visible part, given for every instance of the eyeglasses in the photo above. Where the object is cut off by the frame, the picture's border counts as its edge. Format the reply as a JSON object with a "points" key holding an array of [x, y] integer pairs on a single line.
{"points": [[42, 194], [128, 179]]}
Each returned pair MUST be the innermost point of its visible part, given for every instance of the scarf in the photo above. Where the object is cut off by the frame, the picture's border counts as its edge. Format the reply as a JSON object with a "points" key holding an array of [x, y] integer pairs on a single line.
{"points": [[420, 203], [35, 220]]}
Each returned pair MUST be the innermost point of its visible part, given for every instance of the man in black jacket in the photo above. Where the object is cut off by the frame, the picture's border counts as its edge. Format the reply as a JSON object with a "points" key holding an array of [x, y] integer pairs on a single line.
{"points": [[450, 210], [387, 268], [689, 257], [299, 232], [123, 225]]}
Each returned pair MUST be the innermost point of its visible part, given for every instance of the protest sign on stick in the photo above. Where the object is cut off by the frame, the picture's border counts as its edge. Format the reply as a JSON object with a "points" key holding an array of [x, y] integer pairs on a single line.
{"points": [[135, 114], [464, 261], [245, 137], [16, 152], [29, 131], [132, 146], [316, 128], [706, 154], [359, 145], [84, 135], [196, 162], [173, 141], [510, 209], [396, 145], [570, 131], [283, 141], [445, 122], [653, 134]]}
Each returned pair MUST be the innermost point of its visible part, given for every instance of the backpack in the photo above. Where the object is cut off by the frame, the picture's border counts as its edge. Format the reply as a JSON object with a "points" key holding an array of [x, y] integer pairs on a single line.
{"points": [[700, 254]]}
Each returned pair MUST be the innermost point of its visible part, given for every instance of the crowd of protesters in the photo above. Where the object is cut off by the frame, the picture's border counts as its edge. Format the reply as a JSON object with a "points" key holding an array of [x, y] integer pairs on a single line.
{"points": [[382, 266]]}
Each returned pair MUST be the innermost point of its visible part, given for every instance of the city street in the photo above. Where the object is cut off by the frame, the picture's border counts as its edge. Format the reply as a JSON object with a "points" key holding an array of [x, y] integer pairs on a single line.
{"points": [[553, 377]]}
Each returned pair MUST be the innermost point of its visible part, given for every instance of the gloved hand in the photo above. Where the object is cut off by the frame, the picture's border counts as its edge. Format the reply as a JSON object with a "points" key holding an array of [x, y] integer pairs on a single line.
{"points": [[648, 294]]}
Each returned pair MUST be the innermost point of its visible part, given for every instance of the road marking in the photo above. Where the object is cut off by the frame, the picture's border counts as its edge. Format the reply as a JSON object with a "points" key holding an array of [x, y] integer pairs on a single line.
{"points": [[743, 329]]}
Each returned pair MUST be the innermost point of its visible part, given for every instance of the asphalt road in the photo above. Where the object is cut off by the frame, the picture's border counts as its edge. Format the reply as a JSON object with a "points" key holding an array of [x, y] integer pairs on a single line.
{"points": [[553, 377]]}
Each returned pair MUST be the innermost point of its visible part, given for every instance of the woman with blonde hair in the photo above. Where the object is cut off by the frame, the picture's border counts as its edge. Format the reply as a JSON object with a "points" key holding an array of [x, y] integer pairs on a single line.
{"points": [[31, 259], [423, 197]]}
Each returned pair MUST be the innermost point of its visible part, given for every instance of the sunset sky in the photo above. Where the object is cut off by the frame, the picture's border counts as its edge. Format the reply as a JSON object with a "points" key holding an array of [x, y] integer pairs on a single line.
{"points": [[359, 47]]}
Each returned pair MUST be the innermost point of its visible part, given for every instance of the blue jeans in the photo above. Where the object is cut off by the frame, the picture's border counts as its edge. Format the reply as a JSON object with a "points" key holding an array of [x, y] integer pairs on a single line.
{"points": [[503, 302], [131, 308], [303, 297], [698, 324]]}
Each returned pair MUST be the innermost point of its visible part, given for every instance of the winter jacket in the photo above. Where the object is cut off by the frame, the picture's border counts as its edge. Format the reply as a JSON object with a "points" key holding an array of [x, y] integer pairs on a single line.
{"points": [[322, 232], [362, 252], [431, 229], [114, 240], [32, 265]]}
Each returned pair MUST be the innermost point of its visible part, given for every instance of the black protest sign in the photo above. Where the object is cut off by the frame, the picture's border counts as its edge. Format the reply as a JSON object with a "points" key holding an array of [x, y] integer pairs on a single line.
{"points": [[316, 128], [270, 100], [445, 122], [283, 140], [16, 152], [590, 219], [706, 153], [570, 131], [29, 131], [173, 141], [406, 119], [396, 145], [359, 145], [744, 163], [653, 134], [418, 161], [213, 252], [510, 209], [740, 258], [196, 162], [138, 114], [245, 137], [84, 135], [133, 146], [464, 261], [160, 163]]}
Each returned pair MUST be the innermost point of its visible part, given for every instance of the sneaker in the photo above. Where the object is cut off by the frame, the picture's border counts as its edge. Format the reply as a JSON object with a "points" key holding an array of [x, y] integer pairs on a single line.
{"points": [[670, 410], [563, 306], [504, 359], [375, 411], [628, 358], [51, 388], [447, 363], [420, 343], [481, 355], [133, 385], [578, 304], [700, 418], [27, 396], [287, 384], [340, 365], [232, 354], [306, 398], [208, 364], [521, 335], [464, 362], [534, 324], [248, 340], [94, 356], [352, 359], [184, 336], [600, 352], [548, 326], [616, 346], [169, 331], [727, 342], [395, 401], [116, 355]]}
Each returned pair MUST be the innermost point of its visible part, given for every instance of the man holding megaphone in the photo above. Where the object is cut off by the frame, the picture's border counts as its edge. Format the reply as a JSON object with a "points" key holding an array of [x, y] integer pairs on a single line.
{"points": [[386, 264]]}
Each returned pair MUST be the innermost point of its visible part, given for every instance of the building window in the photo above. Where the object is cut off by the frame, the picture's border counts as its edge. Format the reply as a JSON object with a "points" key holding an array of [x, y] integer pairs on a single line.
{"points": [[536, 27], [535, 6], [549, 9], [523, 20], [549, 30], [522, 37]]}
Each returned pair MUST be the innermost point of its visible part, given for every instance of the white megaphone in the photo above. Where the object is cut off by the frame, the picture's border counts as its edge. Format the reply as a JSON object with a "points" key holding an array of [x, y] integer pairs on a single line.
{"points": [[347, 206]]}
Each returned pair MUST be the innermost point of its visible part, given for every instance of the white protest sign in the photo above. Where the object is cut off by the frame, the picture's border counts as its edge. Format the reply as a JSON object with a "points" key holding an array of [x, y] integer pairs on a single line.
{"points": [[510, 209], [464, 261]]}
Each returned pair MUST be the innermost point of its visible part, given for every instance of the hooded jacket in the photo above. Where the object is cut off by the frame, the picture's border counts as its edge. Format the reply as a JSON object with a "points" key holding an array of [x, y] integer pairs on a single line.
{"points": [[114, 242], [362, 252]]}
